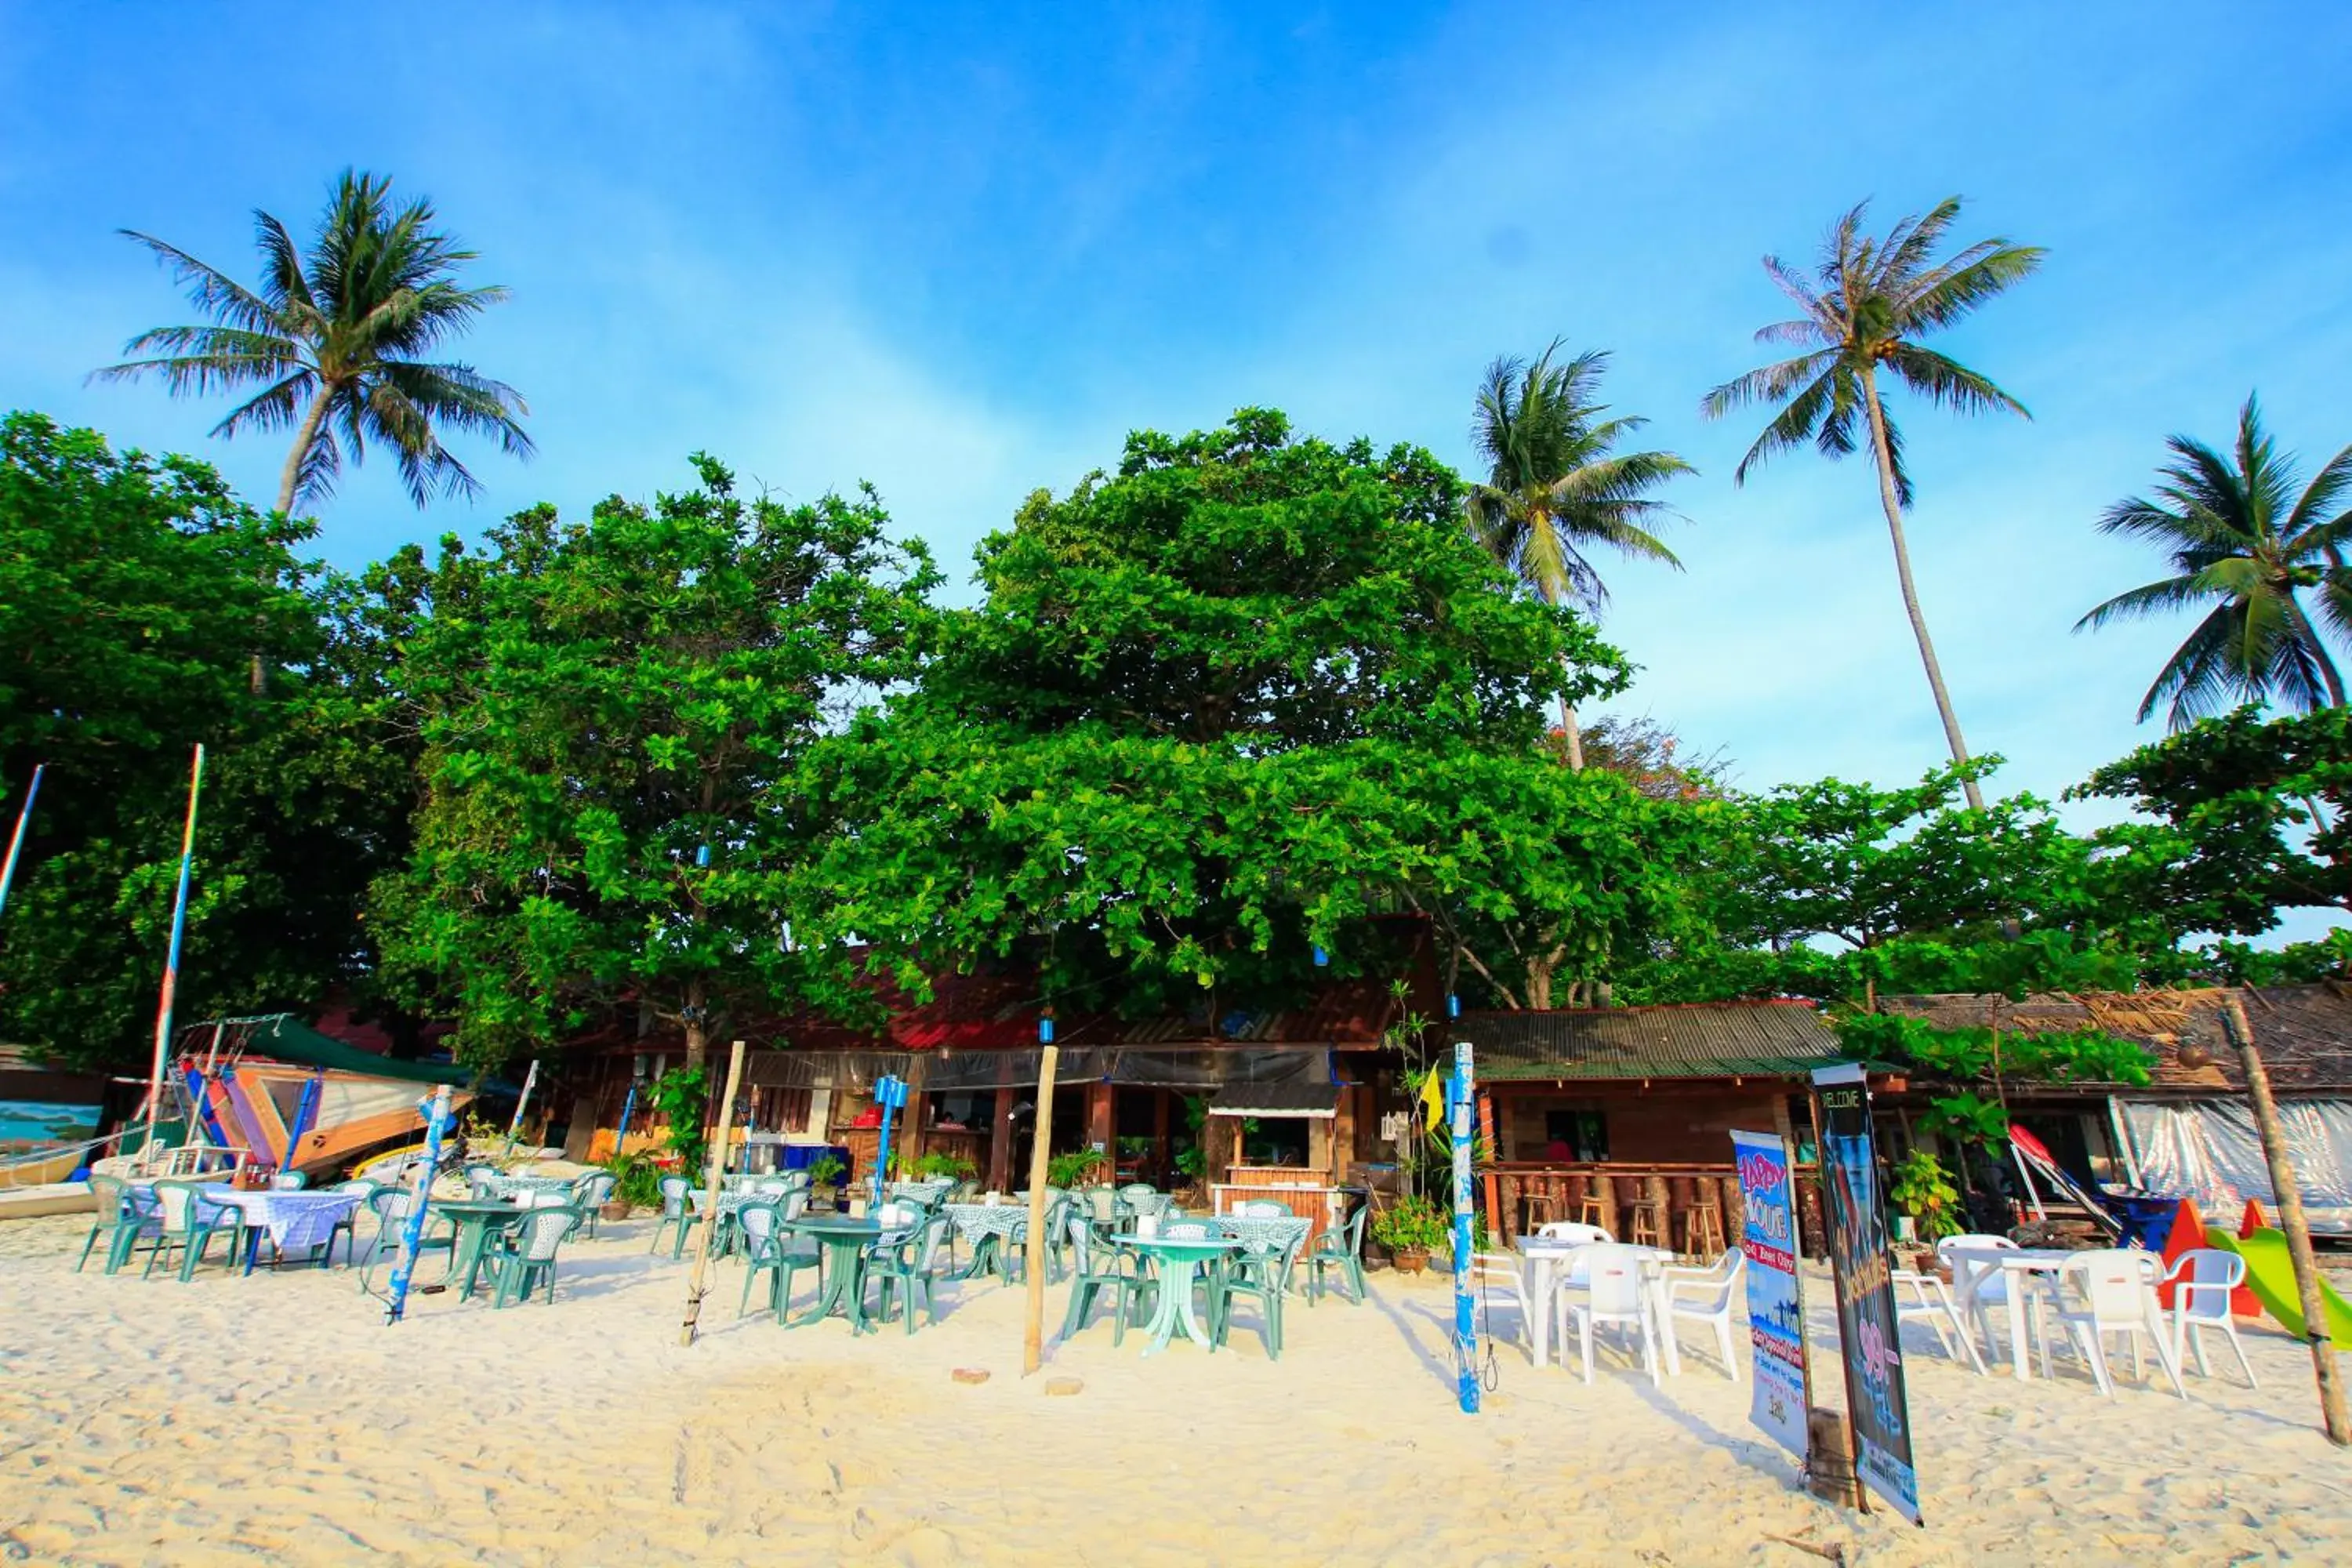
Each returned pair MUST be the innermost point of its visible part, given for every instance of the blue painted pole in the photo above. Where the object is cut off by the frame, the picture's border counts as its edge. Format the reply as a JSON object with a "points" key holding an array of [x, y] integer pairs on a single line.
{"points": [[16, 840], [172, 960], [412, 1235], [1465, 1322], [628, 1110], [305, 1109]]}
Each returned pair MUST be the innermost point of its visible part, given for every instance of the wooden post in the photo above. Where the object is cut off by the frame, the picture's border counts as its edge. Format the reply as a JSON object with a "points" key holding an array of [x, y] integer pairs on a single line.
{"points": [[1494, 1152], [1033, 1336], [2291, 1220], [1162, 1162], [1102, 1125], [693, 1289], [1000, 1145]]}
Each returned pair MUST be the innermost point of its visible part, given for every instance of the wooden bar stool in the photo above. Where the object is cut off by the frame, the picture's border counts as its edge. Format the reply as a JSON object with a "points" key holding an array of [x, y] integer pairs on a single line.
{"points": [[1703, 1231], [1536, 1208], [1589, 1210], [1645, 1228]]}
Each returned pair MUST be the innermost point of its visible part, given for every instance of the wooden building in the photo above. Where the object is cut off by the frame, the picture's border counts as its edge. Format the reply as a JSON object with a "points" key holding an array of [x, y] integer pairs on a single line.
{"points": [[1623, 1115]]}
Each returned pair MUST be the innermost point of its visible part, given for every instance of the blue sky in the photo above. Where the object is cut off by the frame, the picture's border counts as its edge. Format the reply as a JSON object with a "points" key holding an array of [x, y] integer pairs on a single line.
{"points": [[961, 253]]}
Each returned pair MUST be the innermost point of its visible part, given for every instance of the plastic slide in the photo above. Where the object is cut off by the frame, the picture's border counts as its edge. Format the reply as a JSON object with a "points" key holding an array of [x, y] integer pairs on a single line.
{"points": [[2272, 1274]]}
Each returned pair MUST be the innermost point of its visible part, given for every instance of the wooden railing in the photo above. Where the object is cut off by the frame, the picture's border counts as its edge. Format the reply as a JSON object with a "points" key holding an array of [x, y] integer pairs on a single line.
{"points": [[1526, 1194]]}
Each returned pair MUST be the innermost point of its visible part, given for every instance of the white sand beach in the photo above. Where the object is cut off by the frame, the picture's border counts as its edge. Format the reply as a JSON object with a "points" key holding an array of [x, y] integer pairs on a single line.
{"points": [[277, 1418]]}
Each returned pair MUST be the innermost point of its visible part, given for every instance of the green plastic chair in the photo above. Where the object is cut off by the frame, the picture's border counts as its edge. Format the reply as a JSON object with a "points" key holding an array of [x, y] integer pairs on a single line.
{"points": [[677, 1216], [591, 1192], [1098, 1268], [1265, 1279], [348, 1226], [191, 1219], [1343, 1249], [391, 1205], [905, 1266], [122, 1218], [525, 1256], [769, 1249]]}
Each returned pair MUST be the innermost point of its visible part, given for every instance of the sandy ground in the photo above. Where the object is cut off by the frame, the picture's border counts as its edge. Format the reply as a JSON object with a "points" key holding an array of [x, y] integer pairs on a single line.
{"points": [[278, 1418]]}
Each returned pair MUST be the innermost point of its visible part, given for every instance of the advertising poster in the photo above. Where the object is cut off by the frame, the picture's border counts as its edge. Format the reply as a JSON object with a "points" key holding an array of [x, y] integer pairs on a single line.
{"points": [[1868, 1338], [1776, 1307]]}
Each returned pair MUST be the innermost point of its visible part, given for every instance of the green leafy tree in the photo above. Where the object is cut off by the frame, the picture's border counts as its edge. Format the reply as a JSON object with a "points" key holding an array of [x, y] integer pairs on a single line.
{"points": [[1197, 727], [2249, 818], [1865, 308], [132, 594], [1556, 485], [2240, 539], [337, 338], [612, 715]]}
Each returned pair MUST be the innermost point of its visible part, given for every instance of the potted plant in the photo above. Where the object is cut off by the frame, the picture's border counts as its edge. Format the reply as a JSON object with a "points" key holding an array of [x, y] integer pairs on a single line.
{"points": [[637, 1183], [1408, 1230], [1921, 1190], [824, 1176], [1066, 1171]]}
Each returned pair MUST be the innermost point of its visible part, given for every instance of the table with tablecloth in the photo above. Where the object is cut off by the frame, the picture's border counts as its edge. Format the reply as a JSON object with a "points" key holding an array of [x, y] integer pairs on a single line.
{"points": [[295, 1220], [988, 1228]]}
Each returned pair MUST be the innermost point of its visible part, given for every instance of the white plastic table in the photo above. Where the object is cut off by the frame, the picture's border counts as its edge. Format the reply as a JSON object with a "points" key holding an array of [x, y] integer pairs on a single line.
{"points": [[1545, 1257], [2027, 1267]]}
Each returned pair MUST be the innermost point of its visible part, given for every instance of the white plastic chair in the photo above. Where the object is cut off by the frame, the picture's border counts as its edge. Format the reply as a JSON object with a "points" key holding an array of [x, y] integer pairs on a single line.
{"points": [[1571, 1231], [1491, 1271], [2202, 1282], [2113, 1291], [1931, 1303], [1712, 1290], [1615, 1292]]}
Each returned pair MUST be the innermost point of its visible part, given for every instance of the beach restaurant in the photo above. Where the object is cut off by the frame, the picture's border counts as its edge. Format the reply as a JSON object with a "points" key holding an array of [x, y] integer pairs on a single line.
{"points": [[1621, 1117], [1278, 1104]]}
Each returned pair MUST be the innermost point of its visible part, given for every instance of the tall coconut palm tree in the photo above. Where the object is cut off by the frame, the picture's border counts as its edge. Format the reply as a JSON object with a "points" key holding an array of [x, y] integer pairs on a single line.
{"points": [[337, 338], [1556, 485], [1868, 305], [2242, 540]]}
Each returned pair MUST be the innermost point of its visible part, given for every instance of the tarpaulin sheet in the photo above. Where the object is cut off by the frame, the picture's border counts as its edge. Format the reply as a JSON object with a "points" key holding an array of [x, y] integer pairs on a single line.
{"points": [[2208, 1149]]}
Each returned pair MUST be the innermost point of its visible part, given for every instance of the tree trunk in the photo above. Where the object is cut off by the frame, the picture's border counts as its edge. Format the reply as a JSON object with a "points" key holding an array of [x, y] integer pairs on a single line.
{"points": [[304, 439], [1894, 506], [691, 1016], [1568, 727], [2332, 1415]]}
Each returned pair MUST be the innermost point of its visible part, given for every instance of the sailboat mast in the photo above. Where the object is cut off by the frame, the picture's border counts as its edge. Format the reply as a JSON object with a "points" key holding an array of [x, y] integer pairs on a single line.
{"points": [[172, 962]]}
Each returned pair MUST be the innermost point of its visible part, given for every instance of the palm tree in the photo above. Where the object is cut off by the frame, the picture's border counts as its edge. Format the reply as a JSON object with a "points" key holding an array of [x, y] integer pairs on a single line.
{"points": [[1868, 305], [336, 339], [1556, 485], [2242, 541]]}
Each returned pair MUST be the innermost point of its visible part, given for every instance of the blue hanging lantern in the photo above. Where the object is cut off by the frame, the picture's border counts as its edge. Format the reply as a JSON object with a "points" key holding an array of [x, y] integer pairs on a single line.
{"points": [[1322, 959], [1045, 1029], [1452, 1006]]}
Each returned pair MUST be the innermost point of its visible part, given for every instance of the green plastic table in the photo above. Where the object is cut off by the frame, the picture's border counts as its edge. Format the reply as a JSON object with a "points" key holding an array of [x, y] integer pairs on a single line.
{"points": [[1179, 1260], [843, 1268], [474, 1218]]}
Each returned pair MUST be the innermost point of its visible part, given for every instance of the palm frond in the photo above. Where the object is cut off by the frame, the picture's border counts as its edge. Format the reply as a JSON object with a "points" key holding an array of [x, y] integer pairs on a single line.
{"points": [[1794, 425], [211, 290], [2199, 679], [2148, 599], [1949, 383], [2318, 522], [1980, 274], [278, 406], [1769, 384]]}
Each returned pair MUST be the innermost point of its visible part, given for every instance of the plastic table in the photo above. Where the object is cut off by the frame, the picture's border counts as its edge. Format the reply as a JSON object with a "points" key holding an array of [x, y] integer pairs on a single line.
{"points": [[842, 1270], [988, 1228], [296, 1220], [2027, 1267], [1180, 1259], [474, 1218]]}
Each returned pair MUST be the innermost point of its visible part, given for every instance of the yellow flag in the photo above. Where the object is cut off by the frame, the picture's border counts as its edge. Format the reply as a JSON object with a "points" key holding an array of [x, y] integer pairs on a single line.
{"points": [[1432, 1100]]}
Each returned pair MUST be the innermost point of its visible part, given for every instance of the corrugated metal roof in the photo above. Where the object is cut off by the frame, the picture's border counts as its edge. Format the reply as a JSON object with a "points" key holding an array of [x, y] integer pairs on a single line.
{"points": [[1727, 1039]]}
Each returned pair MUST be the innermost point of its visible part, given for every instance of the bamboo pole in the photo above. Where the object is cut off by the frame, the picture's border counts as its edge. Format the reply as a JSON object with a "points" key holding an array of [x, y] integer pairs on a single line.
{"points": [[16, 840], [1033, 1333], [694, 1282], [172, 963], [2291, 1220]]}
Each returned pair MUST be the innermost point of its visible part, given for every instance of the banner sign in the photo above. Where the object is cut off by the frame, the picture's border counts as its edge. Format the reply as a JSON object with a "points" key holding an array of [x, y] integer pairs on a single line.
{"points": [[1776, 1306], [1868, 1339]]}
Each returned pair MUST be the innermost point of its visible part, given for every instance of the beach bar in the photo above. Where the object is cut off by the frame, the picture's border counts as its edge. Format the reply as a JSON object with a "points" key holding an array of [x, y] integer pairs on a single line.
{"points": [[1621, 1117]]}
